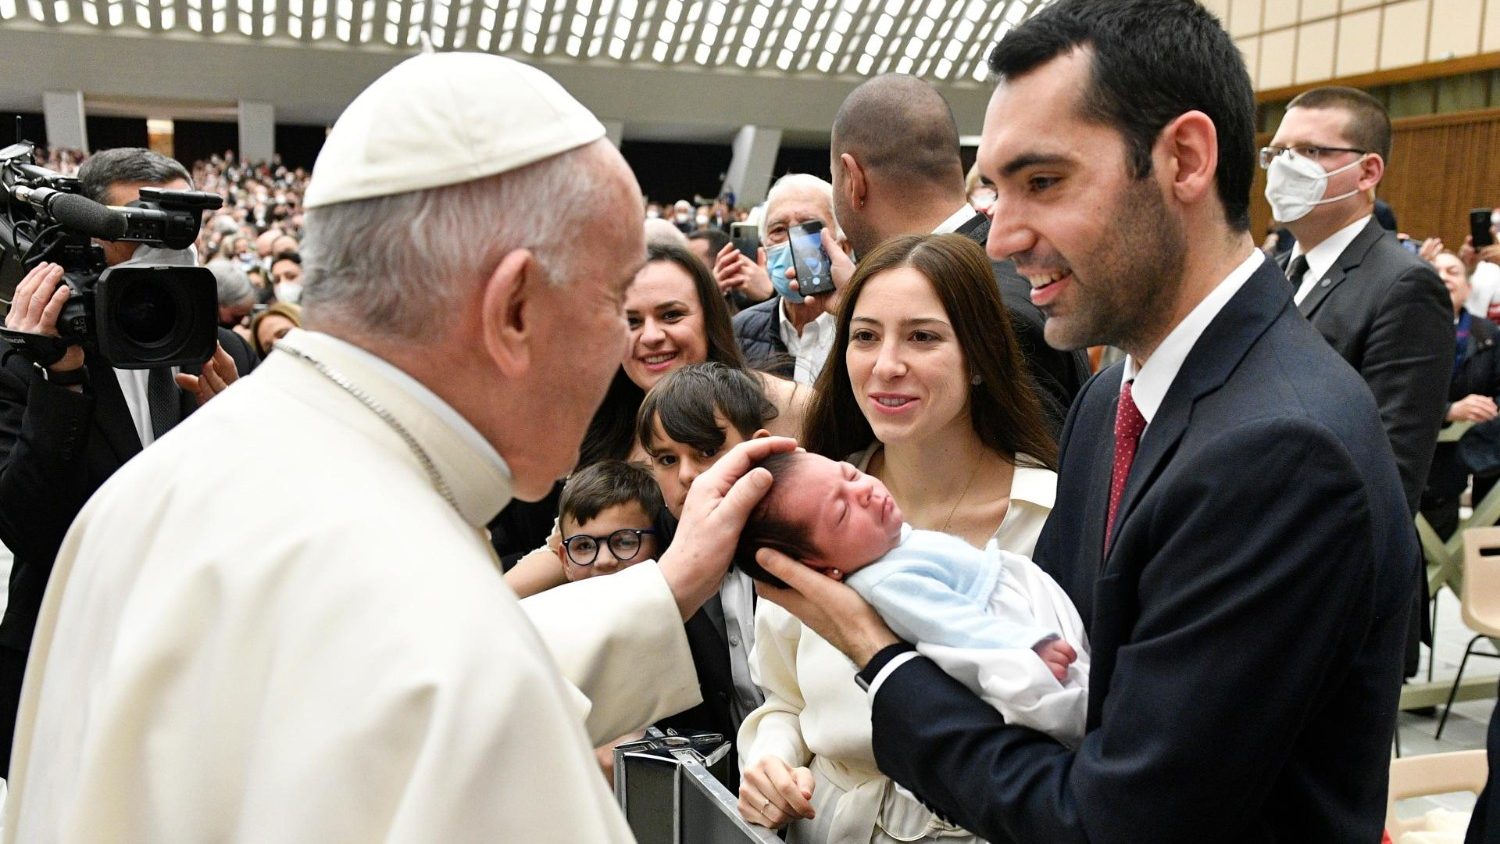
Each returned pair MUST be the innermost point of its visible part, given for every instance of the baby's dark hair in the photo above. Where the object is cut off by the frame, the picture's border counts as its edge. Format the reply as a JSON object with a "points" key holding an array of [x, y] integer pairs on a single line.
{"points": [[606, 484], [771, 526], [686, 400]]}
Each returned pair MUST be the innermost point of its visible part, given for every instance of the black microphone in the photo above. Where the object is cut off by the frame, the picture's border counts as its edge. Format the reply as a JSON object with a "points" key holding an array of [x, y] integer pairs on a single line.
{"points": [[73, 211], [85, 215]]}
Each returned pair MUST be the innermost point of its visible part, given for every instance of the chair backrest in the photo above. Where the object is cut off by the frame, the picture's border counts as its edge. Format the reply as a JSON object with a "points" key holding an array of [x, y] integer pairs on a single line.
{"points": [[1435, 773], [1481, 590]]}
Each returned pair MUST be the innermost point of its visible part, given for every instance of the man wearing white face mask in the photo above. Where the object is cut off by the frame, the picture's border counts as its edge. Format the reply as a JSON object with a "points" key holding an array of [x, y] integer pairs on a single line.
{"points": [[66, 428], [1382, 308], [1379, 306]]}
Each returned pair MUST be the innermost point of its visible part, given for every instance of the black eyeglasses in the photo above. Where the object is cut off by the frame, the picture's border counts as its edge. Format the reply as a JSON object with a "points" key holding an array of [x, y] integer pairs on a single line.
{"points": [[624, 543], [1268, 154]]}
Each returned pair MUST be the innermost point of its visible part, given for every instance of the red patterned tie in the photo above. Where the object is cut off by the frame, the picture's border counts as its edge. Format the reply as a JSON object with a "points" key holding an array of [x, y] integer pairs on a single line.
{"points": [[1129, 423]]}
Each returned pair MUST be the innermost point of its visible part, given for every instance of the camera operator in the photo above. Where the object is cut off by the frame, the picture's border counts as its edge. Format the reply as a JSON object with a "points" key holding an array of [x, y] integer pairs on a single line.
{"points": [[65, 428]]}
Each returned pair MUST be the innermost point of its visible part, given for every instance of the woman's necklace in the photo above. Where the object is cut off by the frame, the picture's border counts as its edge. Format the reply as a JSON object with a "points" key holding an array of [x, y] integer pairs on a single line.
{"points": [[962, 495]]}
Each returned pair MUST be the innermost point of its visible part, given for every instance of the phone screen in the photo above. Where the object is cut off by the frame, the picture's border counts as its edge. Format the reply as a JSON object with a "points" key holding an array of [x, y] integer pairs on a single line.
{"points": [[814, 270], [1479, 227]]}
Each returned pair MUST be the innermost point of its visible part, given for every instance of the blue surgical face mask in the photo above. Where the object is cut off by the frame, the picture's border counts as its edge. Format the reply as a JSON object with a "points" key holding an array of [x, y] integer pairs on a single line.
{"points": [[778, 261]]}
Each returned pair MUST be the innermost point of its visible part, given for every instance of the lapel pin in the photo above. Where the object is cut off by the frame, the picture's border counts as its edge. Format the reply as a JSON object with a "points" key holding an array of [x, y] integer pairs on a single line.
{"points": [[1325, 282]]}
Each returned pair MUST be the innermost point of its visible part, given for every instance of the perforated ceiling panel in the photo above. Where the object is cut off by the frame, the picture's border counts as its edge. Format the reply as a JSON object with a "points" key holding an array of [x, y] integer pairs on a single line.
{"points": [[942, 40]]}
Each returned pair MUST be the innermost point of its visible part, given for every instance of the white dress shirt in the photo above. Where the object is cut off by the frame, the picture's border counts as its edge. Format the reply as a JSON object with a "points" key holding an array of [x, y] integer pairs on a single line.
{"points": [[963, 215], [133, 386], [1154, 377], [810, 347], [737, 596], [1322, 256]]}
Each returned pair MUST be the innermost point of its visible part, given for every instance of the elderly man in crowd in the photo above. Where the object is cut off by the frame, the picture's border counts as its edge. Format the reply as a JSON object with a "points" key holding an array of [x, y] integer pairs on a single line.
{"points": [[346, 663], [785, 326], [1229, 522]]}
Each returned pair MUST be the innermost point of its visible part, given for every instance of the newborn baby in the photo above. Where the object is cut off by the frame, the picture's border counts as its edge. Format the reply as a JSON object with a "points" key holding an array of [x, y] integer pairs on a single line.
{"points": [[991, 619]]}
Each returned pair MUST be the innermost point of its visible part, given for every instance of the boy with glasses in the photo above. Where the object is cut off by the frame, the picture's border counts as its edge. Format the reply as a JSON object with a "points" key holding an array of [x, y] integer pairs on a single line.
{"points": [[606, 517]]}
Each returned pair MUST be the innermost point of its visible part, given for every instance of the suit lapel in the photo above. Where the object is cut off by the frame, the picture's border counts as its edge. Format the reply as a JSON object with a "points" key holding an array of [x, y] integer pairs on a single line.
{"points": [[1350, 258], [111, 414], [976, 229], [1213, 358], [713, 609]]}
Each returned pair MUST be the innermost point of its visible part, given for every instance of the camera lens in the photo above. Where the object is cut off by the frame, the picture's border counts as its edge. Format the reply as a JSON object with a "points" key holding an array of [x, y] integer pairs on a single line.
{"points": [[147, 313], [156, 315]]}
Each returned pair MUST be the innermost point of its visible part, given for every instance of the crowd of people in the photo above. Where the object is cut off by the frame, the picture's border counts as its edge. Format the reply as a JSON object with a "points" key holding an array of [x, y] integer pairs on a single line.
{"points": [[1006, 593]]}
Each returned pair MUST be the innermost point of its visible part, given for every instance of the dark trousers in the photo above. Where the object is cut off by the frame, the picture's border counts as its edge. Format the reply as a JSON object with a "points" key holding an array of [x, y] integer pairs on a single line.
{"points": [[12, 672]]}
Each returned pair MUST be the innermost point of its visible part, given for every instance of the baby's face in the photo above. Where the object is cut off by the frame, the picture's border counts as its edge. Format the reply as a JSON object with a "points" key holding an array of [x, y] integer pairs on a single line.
{"points": [[853, 519]]}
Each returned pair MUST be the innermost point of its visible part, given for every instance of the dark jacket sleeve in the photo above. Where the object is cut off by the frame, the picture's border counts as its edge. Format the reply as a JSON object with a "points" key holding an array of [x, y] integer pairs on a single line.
{"points": [[1408, 363], [44, 480], [1233, 633]]}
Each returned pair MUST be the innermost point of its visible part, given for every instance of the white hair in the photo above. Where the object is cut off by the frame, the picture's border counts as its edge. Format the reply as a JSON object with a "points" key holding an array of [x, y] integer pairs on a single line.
{"points": [[400, 265], [234, 285], [659, 231], [804, 183]]}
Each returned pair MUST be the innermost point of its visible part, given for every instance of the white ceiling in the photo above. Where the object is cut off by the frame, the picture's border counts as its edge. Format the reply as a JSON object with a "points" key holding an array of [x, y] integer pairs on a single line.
{"points": [[663, 68]]}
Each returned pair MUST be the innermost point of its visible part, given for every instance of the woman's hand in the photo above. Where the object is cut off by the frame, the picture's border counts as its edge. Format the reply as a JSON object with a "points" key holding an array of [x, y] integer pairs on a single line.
{"points": [[773, 793]]}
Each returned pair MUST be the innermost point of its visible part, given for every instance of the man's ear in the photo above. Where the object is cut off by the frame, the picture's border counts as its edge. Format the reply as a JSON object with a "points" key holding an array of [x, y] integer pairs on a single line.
{"points": [[1371, 171], [1190, 145], [508, 311], [855, 188]]}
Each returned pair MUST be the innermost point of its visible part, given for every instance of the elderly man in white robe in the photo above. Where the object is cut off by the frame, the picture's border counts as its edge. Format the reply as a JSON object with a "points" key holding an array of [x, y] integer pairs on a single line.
{"points": [[341, 661]]}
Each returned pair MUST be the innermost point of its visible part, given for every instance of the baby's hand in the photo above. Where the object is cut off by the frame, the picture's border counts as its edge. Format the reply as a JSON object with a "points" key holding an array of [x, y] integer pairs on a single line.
{"points": [[1058, 655]]}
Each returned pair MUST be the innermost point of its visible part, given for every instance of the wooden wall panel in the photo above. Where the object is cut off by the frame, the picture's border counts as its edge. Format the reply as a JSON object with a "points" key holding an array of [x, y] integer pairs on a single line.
{"points": [[1440, 168]]}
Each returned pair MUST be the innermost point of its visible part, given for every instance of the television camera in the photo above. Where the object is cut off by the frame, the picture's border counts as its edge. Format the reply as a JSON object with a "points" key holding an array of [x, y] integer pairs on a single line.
{"points": [[136, 315]]}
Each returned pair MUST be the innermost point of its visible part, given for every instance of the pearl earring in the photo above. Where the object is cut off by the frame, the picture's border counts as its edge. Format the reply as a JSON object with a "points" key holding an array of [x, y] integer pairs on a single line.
{"points": [[976, 380]]}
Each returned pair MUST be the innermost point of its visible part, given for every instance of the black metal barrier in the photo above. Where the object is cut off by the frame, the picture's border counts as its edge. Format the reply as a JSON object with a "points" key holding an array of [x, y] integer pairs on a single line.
{"points": [[671, 789]]}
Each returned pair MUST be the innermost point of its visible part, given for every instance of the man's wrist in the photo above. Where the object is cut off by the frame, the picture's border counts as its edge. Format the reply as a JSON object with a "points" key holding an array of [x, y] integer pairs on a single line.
{"points": [[880, 660], [77, 376]]}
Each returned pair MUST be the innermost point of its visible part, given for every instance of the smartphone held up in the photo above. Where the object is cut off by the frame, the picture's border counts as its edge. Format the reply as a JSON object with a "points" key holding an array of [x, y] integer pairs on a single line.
{"points": [[814, 269]]}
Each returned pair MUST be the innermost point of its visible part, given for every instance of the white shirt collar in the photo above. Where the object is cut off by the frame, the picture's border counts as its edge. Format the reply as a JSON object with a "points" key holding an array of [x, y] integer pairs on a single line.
{"points": [[422, 395], [1154, 378], [959, 217], [810, 348], [1033, 484], [1322, 256]]}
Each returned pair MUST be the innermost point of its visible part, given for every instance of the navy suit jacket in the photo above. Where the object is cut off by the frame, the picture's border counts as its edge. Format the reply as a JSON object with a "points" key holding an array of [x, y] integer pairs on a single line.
{"points": [[1246, 623]]}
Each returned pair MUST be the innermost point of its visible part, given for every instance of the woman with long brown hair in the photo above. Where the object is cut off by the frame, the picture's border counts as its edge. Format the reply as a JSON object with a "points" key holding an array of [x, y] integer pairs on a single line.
{"points": [[926, 390], [676, 317]]}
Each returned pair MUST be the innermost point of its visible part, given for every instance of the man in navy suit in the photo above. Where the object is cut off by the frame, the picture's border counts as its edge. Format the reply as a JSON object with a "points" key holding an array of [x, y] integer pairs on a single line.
{"points": [[1229, 522]]}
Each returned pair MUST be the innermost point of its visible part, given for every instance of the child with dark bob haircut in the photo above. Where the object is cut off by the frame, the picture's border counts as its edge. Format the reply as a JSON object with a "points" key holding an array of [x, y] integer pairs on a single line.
{"points": [[692, 416]]}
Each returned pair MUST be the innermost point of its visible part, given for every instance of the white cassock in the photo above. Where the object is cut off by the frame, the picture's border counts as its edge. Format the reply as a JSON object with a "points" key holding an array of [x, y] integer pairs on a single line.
{"points": [[270, 627]]}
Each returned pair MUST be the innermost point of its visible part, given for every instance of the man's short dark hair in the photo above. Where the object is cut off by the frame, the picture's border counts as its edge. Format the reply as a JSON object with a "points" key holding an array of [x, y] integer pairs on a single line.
{"points": [[1369, 126], [1152, 60], [717, 238], [770, 526], [606, 484], [687, 399], [901, 128], [294, 257], [127, 164]]}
